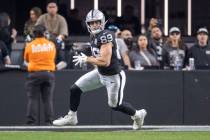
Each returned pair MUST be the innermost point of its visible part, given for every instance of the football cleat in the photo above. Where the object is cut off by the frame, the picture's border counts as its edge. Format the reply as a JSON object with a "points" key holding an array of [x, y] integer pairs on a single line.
{"points": [[69, 119], [138, 119]]}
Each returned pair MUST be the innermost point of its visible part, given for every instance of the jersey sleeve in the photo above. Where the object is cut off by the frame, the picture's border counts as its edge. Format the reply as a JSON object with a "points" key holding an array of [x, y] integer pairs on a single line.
{"points": [[106, 37]]}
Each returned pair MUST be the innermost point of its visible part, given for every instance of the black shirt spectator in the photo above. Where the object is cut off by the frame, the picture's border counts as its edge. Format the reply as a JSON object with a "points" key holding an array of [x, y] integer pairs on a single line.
{"points": [[175, 49], [201, 55], [7, 33], [156, 43], [154, 22], [4, 56], [172, 53], [201, 50]]}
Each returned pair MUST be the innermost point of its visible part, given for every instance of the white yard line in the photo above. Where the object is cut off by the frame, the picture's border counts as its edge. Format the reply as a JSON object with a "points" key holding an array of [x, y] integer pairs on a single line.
{"points": [[104, 128]]}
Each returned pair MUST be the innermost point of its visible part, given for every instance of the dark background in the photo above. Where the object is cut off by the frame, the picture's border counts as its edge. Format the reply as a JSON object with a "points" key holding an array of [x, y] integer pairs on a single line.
{"points": [[19, 10], [170, 98]]}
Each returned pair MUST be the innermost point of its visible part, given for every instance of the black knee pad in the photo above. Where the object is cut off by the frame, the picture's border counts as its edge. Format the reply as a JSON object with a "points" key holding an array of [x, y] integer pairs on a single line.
{"points": [[75, 93], [75, 89]]}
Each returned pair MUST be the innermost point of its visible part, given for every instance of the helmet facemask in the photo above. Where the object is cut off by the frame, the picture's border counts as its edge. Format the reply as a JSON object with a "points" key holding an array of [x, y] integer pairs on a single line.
{"points": [[98, 29]]}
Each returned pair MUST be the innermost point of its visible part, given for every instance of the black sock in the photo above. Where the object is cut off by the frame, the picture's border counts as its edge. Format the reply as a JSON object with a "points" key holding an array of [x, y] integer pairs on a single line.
{"points": [[126, 108], [75, 93]]}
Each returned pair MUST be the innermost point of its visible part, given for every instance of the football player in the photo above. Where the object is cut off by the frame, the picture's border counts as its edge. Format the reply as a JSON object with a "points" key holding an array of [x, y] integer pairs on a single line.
{"points": [[108, 73]]}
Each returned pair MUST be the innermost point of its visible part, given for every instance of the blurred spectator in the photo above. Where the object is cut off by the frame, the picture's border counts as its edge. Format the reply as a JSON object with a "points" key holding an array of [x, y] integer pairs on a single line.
{"points": [[4, 55], [175, 49], [7, 33], [35, 13], [122, 47], [201, 50], [39, 56], [74, 23], [111, 21], [129, 20], [143, 54], [55, 23], [156, 43], [154, 22], [127, 36], [57, 28]]}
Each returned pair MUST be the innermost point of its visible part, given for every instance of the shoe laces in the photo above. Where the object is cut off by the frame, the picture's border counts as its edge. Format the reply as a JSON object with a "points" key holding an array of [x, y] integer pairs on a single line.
{"points": [[66, 116], [60, 118]]}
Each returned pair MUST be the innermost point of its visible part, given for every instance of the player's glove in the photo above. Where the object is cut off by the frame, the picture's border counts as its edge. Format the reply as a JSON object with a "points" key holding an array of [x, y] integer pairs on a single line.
{"points": [[80, 59]]}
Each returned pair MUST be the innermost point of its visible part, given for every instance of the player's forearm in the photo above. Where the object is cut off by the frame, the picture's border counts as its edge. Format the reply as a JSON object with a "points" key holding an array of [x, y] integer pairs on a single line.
{"points": [[126, 60], [99, 61]]}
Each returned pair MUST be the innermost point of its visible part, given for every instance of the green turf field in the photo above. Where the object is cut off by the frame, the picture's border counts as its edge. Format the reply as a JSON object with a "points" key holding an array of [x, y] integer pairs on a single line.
{"points": [[121, 135]]}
